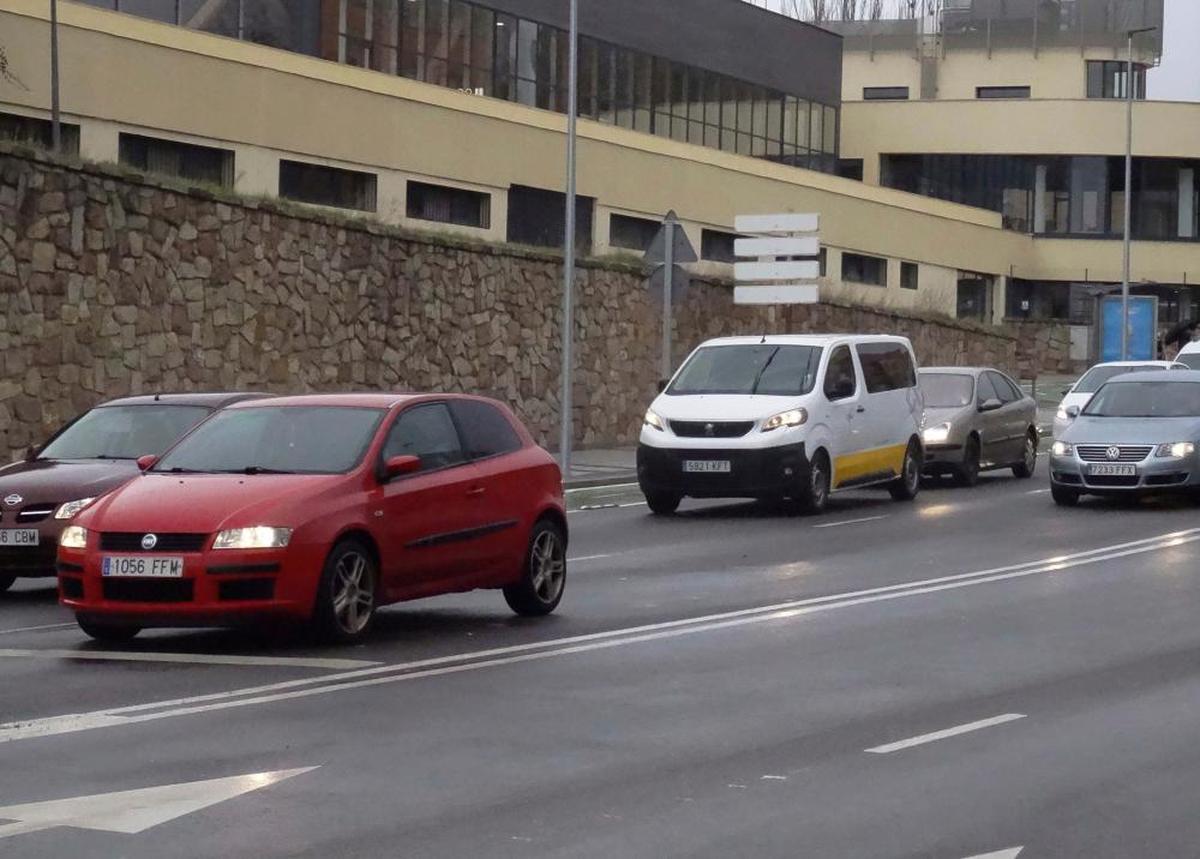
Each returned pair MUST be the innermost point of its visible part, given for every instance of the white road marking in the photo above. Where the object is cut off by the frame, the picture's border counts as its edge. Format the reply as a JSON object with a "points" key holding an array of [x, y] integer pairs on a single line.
{"points": [[589, 558], [851, 522], [1038, 492], [1011, 853], [36, 628], [774, 778], [188, 658], [515, 654], [946, 734], [132, 811], [600, 488]]}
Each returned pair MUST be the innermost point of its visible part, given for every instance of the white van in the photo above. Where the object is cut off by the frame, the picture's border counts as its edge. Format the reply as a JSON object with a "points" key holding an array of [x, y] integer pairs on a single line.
{"points": [[785, 417]]}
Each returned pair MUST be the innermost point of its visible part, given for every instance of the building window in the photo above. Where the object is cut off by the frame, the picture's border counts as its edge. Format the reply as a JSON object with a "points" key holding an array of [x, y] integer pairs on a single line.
{"points": [[850, 168], [910, 275], [1110, 79], [1002, 92], [327, 186], [444, 205], [631, 233], [172, 158], [538, 217], [717, 246], [37, 132], [885, 93], [860, 268]]}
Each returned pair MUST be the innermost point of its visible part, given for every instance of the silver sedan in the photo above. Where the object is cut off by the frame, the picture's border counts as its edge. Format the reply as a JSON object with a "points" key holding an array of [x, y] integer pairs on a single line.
{"points": [[977, 419], [1136, 436]]}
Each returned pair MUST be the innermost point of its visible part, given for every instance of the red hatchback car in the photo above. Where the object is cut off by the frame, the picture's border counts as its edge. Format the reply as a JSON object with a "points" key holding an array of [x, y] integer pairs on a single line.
{"points": [[320, 509]]}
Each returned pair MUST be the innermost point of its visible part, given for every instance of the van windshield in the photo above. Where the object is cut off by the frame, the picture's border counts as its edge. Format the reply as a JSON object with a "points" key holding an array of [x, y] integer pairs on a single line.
{"points": [[760, 368]]}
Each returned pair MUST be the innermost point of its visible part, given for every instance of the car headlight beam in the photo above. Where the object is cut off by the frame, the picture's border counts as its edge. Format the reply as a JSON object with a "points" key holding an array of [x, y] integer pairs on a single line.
{"points": [[1175, 450], [937, 434], [790, 418], [73, 537], [256, 537], [1061, 448], [68, 510]]}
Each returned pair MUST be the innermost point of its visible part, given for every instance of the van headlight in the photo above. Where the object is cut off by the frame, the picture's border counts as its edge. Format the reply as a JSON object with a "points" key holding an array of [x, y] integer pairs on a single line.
{"points": [[653, 421], [68, 510], [73, 537], [1061, 448], [937, 434], [258, 537], [790, 418], [1175, 450]]}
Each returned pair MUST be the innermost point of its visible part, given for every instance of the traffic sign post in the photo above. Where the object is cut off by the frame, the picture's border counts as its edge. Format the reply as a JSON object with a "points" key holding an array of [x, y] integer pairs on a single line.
{"points": [[669, 248], [779, 261]]}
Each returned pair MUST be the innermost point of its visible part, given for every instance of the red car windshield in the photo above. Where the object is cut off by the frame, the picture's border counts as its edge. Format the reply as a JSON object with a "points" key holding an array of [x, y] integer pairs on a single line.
{"points": [[277, 440], [124, 432]]}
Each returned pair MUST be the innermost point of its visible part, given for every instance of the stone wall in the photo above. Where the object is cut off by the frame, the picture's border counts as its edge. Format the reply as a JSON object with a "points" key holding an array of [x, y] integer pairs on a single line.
{"points": [[1043, 348], [112, 284]]}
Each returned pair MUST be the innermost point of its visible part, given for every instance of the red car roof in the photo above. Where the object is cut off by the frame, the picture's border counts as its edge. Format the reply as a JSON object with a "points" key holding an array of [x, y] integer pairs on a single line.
{"points": [[353, 400]]}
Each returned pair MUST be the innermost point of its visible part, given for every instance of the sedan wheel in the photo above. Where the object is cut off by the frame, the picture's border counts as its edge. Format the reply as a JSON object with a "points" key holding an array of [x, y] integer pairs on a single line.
{"points": [[108, 633], [967, 474], [545, 576], [345, 605], [1025, 468]]}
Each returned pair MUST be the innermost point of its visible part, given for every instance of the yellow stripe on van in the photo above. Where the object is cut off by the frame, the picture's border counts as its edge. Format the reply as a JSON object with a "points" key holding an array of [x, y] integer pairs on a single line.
{"points": [[867, 462]]}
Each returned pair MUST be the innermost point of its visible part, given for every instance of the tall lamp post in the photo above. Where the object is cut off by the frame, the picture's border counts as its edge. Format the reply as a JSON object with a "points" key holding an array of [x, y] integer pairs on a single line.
{"points": [[1129, 94], [55, 116], [568, 302]]}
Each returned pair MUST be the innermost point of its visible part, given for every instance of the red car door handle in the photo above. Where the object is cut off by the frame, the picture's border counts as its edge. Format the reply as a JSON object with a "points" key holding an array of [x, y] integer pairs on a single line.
{"points": [[475, 492]]}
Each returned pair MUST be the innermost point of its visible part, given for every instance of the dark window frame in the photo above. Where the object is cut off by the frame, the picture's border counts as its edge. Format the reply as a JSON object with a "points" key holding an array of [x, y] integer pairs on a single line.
{"points": [[910, 275], [290, 170], [138, 151], [419, 196], [713, 246], [857, 268], [634, 233], [885, 93], [1007, 91]]}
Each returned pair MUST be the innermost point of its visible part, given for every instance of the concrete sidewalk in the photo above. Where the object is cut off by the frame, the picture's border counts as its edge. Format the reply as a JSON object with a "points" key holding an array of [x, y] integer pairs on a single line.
{"points": [[602, 466]]}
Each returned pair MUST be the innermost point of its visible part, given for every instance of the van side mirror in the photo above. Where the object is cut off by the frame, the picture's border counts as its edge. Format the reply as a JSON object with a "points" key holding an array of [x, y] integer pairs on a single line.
{"points": [[990, 405], [145, 463], [1073, 412], [398, 466], [662, 384]]}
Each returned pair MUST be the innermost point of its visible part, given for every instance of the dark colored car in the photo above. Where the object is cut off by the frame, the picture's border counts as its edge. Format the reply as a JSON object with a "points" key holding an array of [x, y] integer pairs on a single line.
{"points": [[93, 454], [319, 509]]}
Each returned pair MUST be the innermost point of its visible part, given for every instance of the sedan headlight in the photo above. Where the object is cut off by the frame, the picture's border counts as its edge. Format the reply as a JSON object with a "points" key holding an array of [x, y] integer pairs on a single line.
{"points": [[937, 434], [790, 418], [1175, 450], [73, 537], [1061, 448], [654, 421], [258, 537], [68, 510]]}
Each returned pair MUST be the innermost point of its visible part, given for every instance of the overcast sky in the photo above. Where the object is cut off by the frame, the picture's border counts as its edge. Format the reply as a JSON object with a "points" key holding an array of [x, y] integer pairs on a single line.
{"points": [[1178, 79]]}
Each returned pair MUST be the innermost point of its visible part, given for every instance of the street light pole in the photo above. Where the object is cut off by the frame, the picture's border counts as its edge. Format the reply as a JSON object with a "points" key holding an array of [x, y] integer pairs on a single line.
{"points": [[55, 116], [568, 301], [1128, 247]]}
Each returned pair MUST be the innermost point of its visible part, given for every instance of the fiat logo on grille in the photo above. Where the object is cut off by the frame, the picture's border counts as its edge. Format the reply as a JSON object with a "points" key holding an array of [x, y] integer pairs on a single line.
{"points": [[1113, 453], [709, 429], [13, 500], [149, 542]]}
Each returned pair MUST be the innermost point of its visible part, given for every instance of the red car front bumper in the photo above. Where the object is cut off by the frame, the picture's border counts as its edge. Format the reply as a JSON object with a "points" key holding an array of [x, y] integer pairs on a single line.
{"points": [[217, 588]]}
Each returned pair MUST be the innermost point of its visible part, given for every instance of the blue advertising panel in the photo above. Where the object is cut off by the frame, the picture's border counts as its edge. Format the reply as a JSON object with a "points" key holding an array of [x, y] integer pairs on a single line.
{"points": [[1142, 327]]}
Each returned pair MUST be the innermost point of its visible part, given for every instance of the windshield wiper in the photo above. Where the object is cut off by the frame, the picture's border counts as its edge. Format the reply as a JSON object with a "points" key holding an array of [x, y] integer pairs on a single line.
{"points": [[178, 470], [258, 469], [763, 369]]}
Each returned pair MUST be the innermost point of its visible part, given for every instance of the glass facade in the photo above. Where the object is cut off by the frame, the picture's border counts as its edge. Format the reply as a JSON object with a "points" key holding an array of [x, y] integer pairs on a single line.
{"points": [[1061, 195], [470, 47], [1110, 79]]}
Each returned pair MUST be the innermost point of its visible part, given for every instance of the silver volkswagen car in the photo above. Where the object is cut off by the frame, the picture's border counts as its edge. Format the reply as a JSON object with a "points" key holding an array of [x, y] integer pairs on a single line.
{"points": [[1136, 436], [977, 419]]}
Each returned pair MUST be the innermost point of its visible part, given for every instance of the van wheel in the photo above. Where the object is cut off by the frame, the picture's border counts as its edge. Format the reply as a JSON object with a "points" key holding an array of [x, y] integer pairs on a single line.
{"points": [[109, 633], [814, 498], [908, 485], [1025, 468], [6, 582], [663, 503]]}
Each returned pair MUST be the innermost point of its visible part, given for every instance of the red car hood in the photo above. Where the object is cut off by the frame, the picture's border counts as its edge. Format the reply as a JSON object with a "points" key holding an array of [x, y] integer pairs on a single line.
{"points": [[206, 503]]}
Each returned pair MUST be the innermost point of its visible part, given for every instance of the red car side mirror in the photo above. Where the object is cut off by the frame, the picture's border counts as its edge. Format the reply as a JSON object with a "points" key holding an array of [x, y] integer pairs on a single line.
{"points": [[398, 466], [145, 463]]}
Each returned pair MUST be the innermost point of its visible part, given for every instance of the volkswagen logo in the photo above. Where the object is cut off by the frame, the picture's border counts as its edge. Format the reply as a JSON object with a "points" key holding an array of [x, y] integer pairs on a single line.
{"points": [[149, 542], [13, 500], [709, 429], [1113, 453]]}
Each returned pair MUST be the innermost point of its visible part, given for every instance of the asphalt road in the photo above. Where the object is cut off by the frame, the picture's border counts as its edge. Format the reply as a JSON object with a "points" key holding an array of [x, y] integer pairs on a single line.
{"points": [[975, 673]]}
